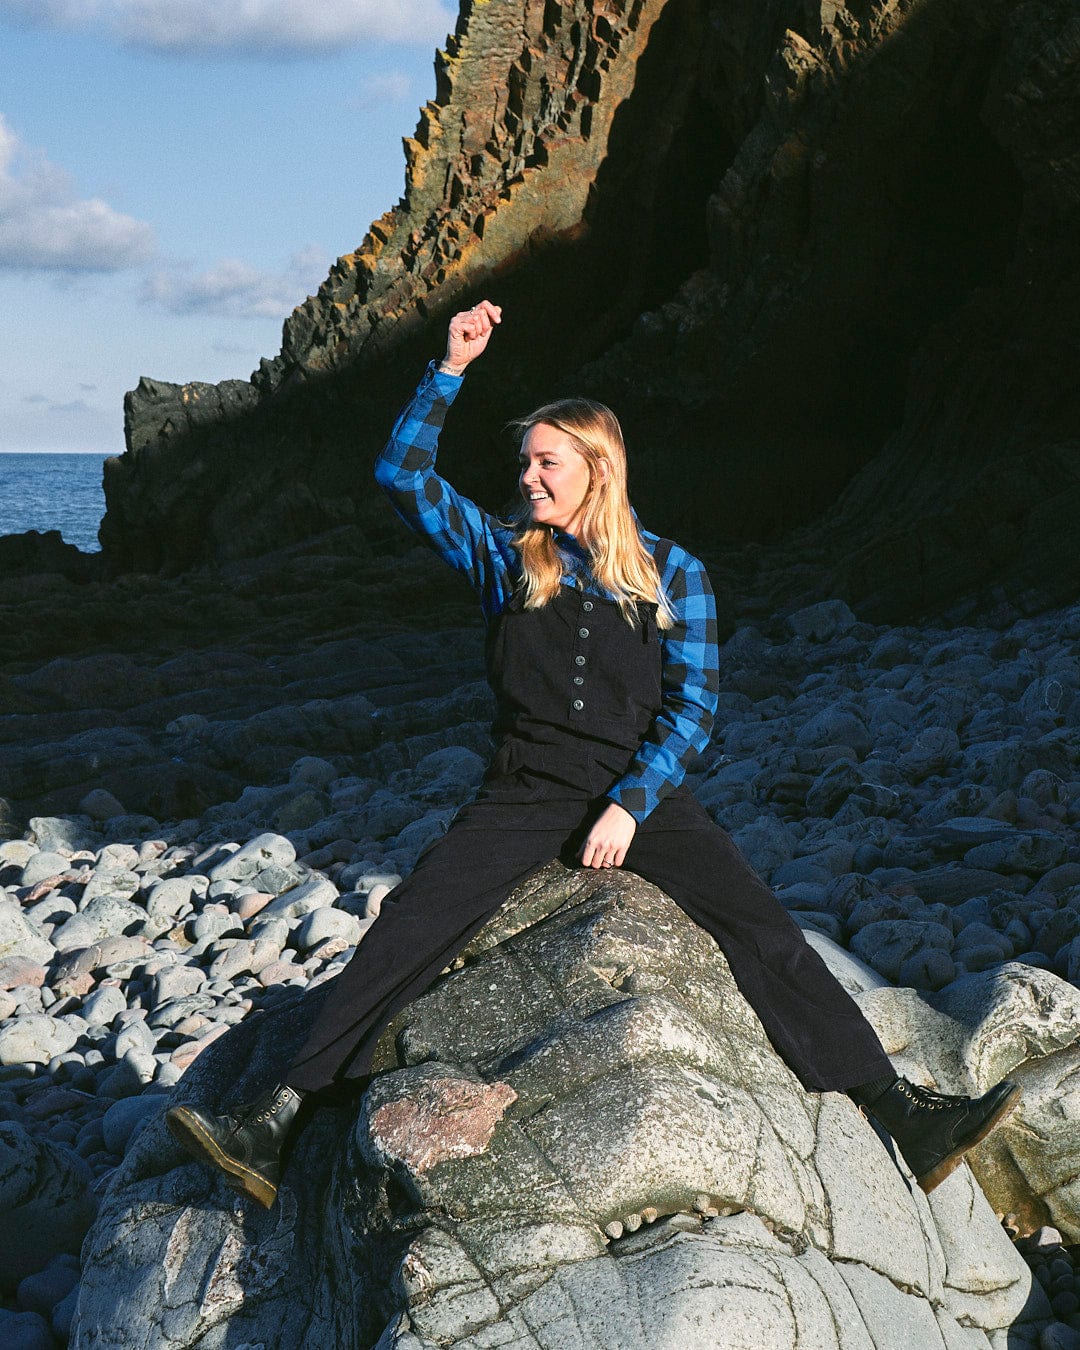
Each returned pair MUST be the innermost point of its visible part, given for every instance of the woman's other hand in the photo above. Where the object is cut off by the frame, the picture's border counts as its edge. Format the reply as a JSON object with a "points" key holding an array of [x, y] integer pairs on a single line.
{"points": [[469, 333], [610, 837]]}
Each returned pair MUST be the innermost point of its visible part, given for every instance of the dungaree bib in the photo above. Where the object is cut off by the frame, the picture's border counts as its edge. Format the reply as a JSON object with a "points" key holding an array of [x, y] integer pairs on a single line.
{"points": [[576, 690]]}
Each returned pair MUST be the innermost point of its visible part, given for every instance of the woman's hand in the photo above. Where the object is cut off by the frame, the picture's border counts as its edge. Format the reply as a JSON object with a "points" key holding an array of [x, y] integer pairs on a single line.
{"points": [[469, 333], [610, 837]]}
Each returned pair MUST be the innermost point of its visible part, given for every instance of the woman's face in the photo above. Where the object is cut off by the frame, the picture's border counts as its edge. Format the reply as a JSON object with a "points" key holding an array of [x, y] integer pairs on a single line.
{"points": [[554, 478]]}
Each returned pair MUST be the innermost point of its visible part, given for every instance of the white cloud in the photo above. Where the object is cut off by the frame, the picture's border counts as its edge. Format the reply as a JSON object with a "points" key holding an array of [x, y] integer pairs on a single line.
{"points": [[384, 86], [75, 405], [45, 224], [237, 289], [243, 27]]}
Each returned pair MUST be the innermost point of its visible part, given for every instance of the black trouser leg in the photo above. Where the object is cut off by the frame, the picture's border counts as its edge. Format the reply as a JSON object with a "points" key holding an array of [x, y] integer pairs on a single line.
{"points": [[813, 1023], [456, 886]]}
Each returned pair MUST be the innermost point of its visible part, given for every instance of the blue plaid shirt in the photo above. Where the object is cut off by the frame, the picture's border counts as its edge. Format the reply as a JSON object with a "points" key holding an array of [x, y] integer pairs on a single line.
{"points": [[477, 544]]}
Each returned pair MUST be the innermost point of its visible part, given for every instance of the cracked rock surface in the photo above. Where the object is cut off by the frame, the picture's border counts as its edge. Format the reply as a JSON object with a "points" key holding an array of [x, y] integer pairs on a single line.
{"points": [[578, 1136]]}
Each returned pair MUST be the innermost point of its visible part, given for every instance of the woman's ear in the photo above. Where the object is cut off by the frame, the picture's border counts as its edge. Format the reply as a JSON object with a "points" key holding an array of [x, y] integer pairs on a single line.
{"points": [[603, 471]]}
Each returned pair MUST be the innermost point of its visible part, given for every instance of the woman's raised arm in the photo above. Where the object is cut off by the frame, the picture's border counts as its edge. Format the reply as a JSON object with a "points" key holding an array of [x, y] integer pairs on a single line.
{"points": [[470, 539]]}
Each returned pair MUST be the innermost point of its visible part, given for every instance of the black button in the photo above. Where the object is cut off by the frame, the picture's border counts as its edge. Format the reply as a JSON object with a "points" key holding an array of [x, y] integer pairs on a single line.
{"points": [[579, 704], [579, 679], [586, 605], [579, 660], [583, 632]]}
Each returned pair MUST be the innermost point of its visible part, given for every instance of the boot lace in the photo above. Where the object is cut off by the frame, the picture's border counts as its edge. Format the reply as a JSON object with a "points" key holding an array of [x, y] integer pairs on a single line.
{"points": [[927, 1097]]}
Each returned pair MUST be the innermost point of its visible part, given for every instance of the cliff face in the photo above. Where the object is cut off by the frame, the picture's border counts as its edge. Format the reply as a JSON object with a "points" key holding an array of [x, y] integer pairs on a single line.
{"points": [[822, 261]]}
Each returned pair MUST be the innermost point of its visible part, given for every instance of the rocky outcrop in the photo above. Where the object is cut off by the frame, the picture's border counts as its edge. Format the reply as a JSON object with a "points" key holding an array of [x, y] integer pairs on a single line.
{"points": [[838, 326], [580, 1131]]}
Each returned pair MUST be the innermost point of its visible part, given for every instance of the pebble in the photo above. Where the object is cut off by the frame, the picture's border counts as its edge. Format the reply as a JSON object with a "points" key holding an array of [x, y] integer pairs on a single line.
{"points": [[24, 1331]]}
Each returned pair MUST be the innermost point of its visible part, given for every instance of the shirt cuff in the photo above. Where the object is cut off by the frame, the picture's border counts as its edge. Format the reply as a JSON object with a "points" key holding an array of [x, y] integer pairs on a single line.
{"points": [[445, 385], [635, 801]]}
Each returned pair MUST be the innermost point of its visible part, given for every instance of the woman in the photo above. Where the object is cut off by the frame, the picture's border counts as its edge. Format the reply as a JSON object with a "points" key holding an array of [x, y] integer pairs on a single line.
{"points": [[601, 650]]}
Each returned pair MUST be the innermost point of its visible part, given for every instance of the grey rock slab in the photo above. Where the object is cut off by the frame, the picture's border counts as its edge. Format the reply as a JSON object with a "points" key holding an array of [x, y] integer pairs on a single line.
{"points": [[992, 1293], [1032, 851], [820, 621], [234, 960], [119, 882], [24, 1331], [887, 944], [103, 1005], [100, 805], [60, 832], [45, 1199], [53, 910], [1029, 1165], [175, 982], [43, 865], [20, 970], [317, 893], [260, 852], [19, 937], [106, 916], [41, 1291], [124, 1118], [16, 852], [74, 972], [134, 1036], [35, 1039], [117, 858], [171, 896], [327, 923]]}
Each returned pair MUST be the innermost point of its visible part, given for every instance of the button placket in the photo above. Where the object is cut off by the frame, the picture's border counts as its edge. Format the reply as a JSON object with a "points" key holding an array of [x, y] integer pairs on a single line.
{"points": [[578, 704]]}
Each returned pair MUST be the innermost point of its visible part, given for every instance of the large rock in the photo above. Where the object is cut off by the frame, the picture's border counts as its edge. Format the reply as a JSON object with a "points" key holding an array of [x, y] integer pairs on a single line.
{"points": [[19, 937], [45, 1201], [587, 1069]]}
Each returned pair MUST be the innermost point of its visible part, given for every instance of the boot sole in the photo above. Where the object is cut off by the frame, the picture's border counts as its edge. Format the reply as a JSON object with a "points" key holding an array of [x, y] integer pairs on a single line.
{"points": [[190, 1135], [952, 1161]]}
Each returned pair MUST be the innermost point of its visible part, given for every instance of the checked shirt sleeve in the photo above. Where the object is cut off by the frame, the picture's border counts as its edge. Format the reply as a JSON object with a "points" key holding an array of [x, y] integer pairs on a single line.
{"points": [[468, 538], [690, 684]]}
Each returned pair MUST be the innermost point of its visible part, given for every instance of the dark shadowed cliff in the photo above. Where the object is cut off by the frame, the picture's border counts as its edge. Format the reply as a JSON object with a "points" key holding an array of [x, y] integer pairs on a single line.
{"points": [[823, 261]]}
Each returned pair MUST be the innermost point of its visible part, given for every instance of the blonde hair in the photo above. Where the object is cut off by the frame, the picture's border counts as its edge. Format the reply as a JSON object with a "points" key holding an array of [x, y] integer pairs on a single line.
{"points": [[620, 561]]}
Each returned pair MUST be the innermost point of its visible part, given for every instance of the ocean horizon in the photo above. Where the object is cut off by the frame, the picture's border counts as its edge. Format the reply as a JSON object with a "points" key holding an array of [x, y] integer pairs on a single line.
{"points": [[53, 490]]}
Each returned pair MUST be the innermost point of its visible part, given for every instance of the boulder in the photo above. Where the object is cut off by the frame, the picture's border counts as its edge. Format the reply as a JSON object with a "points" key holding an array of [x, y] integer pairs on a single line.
{"points": [[19, 937], [106, 916], [35, 1039], [45, 1200], [582, 1116]]}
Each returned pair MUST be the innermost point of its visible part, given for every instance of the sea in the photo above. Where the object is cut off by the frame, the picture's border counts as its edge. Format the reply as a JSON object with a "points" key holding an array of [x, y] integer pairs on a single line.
{"points": [[53, 492]]}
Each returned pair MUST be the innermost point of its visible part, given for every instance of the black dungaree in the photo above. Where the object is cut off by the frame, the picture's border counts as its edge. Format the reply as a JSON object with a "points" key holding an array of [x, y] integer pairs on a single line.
{"points": [[577, 689]]}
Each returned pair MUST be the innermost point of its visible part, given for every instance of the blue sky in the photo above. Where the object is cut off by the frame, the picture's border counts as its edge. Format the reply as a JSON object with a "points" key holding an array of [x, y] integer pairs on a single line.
{"points": [[175, 176]]}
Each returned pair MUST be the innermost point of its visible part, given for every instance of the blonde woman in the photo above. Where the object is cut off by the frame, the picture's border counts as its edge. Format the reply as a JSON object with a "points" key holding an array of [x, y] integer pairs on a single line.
{"points": [[602, 654]]}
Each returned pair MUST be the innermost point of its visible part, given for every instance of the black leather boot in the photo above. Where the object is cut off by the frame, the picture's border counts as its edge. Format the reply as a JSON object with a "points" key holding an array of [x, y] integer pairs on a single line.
{"points": [[245, 1143], [934, 1131]]}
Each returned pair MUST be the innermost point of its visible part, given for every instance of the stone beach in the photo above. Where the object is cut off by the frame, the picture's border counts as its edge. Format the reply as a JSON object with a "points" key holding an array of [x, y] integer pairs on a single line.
{"points": [[911, 793]]}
